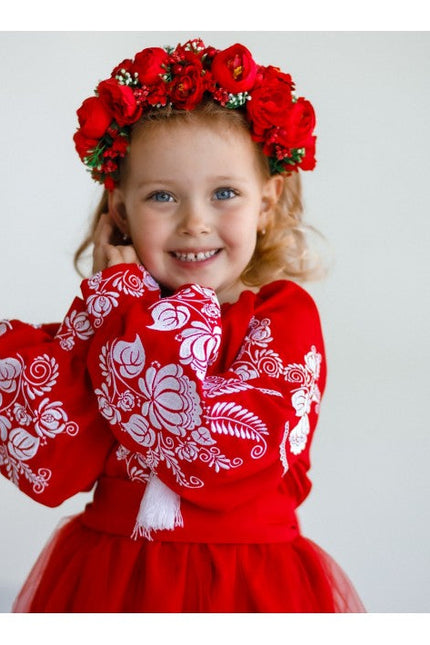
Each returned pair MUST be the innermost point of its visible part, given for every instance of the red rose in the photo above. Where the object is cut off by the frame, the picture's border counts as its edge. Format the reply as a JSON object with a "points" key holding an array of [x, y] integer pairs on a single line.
{"points": [[308, 162], [83, 145], [298, 124], [194, 47], [120, 100], [270, 100], [277, 146], [150, 63], [188, 85], [94, 118], [158, 94], [126, 65], [234, 69]]}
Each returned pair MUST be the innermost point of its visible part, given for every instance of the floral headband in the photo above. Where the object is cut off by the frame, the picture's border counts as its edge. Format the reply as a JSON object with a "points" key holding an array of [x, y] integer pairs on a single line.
{"points": [[182, 77]]}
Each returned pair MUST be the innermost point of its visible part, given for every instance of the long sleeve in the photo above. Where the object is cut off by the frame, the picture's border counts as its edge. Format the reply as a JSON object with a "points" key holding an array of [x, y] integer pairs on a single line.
{"points": [[53, 440], [216, 430]]}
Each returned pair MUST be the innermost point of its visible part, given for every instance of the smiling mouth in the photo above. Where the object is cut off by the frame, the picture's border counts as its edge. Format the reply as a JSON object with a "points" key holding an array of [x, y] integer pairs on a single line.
{"points": [[200, 256]]}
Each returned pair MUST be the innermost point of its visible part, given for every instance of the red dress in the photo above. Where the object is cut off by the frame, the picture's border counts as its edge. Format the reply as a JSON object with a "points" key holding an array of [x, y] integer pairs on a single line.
{"points": [[195, 422]]}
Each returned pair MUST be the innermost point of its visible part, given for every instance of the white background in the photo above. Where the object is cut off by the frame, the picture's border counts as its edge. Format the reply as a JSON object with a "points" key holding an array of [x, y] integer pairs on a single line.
{"points": [[369, 196]]}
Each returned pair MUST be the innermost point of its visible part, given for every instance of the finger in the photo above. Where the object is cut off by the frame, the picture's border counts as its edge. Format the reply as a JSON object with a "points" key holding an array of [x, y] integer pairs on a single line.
{"points": [[99, 258], [113, 255], [120, 255], [104, 229], [129, 254]]}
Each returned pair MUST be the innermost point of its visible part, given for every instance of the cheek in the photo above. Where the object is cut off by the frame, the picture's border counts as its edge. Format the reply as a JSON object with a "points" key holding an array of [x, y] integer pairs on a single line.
{"points": [[146, 230]]}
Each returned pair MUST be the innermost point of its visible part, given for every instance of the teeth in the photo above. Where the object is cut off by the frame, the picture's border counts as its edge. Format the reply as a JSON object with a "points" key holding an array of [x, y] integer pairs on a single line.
{"points": [[195, 257]]}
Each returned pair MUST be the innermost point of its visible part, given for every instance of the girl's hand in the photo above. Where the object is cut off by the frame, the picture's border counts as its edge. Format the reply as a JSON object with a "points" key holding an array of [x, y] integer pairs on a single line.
{"points": [[106, 254]]}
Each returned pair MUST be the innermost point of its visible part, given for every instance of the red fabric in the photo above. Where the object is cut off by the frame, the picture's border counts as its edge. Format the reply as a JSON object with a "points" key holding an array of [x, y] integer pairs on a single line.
{"points": [[220, 403], [83, 570]]}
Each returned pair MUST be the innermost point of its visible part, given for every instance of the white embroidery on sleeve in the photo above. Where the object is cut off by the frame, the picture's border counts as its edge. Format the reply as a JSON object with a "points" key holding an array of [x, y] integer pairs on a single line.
{"points": [[48, 418]]}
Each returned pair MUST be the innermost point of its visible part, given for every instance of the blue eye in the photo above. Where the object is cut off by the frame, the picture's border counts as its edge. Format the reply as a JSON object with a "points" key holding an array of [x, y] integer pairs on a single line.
{"points": [[161, 196], [225, 193]]}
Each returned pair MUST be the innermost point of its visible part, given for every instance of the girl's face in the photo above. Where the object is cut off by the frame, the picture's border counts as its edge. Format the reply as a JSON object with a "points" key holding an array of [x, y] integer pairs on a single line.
{"points": [[192, 202]]}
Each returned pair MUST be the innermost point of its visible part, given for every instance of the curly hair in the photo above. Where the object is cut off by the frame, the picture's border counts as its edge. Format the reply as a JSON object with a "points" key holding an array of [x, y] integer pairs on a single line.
{"points": [[283, 249]]}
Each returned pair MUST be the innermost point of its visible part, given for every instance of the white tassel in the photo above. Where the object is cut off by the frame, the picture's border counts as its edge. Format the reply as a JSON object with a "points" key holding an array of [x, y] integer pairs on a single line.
{"points": [[160, 508]]}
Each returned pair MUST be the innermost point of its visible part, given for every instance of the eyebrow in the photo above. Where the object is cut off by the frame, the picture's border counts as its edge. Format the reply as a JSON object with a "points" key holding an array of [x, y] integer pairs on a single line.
{"points": [[166, 180]]}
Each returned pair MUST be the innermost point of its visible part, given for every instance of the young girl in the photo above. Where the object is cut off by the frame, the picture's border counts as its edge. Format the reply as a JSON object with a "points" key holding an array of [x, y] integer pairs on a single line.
{"points": [[185, 384]]}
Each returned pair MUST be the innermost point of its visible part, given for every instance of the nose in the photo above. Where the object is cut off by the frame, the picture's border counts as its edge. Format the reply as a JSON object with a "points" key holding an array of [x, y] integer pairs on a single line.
{"points": [[193, 219]]}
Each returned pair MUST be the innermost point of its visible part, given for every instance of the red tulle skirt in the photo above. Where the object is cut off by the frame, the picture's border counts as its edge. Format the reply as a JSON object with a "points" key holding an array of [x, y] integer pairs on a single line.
{"points": [[83, 570]]}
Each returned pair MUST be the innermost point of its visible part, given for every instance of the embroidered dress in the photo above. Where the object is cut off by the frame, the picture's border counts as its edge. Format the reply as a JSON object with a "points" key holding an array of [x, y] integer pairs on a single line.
{"points": [[194, 422]]}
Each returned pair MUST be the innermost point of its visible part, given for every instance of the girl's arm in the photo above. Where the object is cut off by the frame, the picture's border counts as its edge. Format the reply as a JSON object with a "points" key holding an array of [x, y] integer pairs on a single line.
{"points": [[53, 441], [200, 426]]}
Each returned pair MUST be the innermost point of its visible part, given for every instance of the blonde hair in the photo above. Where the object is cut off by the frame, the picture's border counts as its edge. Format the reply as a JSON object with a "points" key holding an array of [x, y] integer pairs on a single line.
{"points": [[283, 249]]}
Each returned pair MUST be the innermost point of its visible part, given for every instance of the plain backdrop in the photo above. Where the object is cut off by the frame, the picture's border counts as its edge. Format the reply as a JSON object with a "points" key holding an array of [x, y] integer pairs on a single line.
{"points": [[369, 196]]}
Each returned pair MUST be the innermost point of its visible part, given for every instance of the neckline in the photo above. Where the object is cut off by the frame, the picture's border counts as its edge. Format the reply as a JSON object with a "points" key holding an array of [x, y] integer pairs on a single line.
{"points": [[248, 293]]}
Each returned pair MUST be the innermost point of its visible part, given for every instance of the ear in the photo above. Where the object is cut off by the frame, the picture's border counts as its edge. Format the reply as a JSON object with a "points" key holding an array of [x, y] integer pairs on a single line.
{"points": [[271, 193], [118, 211]]}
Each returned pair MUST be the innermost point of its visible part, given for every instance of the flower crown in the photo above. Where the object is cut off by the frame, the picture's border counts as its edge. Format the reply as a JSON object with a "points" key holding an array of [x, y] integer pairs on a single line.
{"points": [[182, 77]]}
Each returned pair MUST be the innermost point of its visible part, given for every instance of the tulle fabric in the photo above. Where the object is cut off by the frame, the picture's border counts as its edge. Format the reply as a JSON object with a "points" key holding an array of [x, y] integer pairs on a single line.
{"points": [[82, 570]]}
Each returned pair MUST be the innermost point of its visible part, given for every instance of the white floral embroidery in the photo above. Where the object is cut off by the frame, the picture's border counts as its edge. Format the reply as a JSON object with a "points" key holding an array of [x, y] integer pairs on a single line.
{"points": [[137, 470], [126, 400], [306, 376], [4, 326], [50, 419], [107, 410], [40, 376], [256, 359], [21, 415], [163, 397], [22, 445], [20, 387], [283, 449], [139, 430], [234, 420], [167, 317], [130, 357], [10, 370], [214, 386], [200, 341], [105, 299], [76, 325], [172, 401], [134, 285], [5, 426], [100, 305]]}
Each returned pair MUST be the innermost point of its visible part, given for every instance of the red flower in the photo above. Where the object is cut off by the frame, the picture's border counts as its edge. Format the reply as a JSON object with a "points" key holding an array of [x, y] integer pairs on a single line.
{"points": [[120, 100], [149, 64], [234, 69], [194, 47], [83, 145], [182, 76], [208, 55], [118, 148], [270, 101], [298, 124], [309, 162], [109, 183], [277, 146], [188, 85], [126, 65], [94, 118], [158, 94]]}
